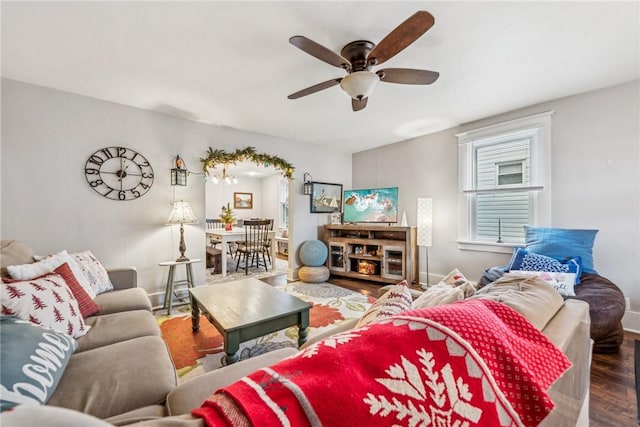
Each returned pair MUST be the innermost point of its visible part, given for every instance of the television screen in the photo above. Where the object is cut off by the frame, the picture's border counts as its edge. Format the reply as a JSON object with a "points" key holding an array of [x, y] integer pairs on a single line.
{"points": [[371, 205]]}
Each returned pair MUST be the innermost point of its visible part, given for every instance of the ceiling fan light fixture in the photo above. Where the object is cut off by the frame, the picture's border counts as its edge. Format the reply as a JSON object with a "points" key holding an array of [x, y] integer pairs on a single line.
{"points": [[360, 84]]}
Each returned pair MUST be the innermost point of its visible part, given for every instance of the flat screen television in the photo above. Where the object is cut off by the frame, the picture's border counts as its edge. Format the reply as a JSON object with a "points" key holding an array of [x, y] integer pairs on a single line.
{"points": [[371, 205]]}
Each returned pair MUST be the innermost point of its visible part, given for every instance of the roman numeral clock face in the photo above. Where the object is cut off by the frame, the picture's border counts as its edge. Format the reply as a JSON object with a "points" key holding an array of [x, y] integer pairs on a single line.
{"points": [[119, 173]]}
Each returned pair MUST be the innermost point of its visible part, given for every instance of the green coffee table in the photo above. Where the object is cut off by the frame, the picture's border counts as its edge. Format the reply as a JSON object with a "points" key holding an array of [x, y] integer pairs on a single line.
{"points": [[247, 309]]}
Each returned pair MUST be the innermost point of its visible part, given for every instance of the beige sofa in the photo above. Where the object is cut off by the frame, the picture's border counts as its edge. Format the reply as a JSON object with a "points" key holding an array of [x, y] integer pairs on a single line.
{"points": [[122, 363], [566, 324]]}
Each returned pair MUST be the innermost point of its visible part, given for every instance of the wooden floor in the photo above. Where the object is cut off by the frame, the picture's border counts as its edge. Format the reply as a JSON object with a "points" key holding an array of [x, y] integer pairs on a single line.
{"points": [[613, 395]]}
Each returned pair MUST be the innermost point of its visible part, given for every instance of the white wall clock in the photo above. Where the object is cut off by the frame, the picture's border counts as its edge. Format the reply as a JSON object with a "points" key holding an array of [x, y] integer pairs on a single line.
{"points": [[119, 173]]}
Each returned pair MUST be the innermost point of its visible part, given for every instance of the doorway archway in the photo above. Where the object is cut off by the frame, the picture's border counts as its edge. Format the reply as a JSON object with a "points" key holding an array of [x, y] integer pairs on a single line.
{"points": [[263, 179]]}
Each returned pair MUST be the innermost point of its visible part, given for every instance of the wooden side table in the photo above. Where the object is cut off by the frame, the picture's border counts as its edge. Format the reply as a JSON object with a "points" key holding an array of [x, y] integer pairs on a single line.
{"points": [[172, 283]]}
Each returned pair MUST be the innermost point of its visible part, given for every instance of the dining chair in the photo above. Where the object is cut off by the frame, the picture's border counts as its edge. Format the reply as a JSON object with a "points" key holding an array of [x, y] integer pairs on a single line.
{"points": [[213, 253], [267, 245], [211, 225], [252, 248]]}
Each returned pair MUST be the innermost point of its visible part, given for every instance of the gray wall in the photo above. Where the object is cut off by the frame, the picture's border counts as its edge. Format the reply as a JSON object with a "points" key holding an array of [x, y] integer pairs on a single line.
{"points": [[595, 183], [47, 136]]}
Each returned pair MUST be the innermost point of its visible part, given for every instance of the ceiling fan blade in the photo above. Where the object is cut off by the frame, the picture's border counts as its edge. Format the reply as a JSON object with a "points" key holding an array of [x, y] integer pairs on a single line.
{"points": [[408, 76], [315, 88], [358, 104], [401, 37], [318, 51]]}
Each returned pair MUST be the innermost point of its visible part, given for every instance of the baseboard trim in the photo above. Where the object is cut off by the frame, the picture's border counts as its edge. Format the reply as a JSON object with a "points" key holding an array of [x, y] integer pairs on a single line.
{"points": [[292, 274], [433, 278], [631, 321]]}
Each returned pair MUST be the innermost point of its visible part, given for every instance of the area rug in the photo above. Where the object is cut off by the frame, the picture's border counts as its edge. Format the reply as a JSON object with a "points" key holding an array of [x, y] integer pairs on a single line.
{"points": [[196, 353], [280, 267]]}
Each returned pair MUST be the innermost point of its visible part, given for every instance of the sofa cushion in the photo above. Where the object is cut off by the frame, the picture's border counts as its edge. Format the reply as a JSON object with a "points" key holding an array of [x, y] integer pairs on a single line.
{"points": [[111, 380], [529, 296], [123, 300], [192, 393], [396, 300], [93, 270], [116, 327], [141, 415], [32, 359], [46, 301], [29, 416], [14, 252]]}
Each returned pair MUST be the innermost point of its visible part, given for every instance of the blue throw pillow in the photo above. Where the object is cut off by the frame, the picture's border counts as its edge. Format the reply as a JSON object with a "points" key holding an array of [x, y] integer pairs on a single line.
{"points": [[562, 244], [525, 260], [32, 359]]}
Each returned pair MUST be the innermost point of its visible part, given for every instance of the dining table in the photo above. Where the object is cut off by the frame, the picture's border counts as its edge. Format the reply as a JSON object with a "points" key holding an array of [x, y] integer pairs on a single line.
{"points": [[236, 234]]}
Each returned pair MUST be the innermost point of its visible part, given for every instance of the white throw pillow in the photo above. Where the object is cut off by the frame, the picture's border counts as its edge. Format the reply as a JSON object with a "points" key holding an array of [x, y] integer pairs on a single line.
{"points": [[93, 271], [47, 265], [455, 278], [560, 281], [47, 302]]}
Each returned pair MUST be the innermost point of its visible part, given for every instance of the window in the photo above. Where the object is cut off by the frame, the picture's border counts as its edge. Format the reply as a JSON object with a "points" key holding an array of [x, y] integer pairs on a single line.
{"points": [[509, 173], [504, 182], [284, 203]]}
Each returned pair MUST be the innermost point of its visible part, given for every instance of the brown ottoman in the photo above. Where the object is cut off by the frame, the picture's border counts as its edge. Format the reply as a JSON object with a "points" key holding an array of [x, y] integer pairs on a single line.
{"points": [[606, 308]]}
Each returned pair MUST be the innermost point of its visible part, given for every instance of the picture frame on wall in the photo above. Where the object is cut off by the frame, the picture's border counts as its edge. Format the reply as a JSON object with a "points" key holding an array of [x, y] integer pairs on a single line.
{"points": [[325, 197], [243, 200]]}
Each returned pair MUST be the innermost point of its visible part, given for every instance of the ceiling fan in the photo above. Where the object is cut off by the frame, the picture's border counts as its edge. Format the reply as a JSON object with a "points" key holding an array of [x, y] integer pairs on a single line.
{"points": [[359, 56]]}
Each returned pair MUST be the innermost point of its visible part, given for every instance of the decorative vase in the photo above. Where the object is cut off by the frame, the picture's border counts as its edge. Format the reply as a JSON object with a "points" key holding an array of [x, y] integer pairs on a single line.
{"points": [[404, 220], [227, 226]]}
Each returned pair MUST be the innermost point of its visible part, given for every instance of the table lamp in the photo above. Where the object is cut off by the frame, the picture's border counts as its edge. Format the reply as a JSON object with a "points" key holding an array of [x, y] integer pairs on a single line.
{"points": [[181, 213]]}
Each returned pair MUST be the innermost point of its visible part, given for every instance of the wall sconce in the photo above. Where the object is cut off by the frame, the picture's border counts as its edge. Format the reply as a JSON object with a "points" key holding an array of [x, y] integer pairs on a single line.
{"points": [[178, 175], [307, 187]]}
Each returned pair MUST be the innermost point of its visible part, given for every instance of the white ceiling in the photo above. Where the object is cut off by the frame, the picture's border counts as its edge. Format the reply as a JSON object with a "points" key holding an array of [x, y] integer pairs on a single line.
{"points": [[230, 63]]}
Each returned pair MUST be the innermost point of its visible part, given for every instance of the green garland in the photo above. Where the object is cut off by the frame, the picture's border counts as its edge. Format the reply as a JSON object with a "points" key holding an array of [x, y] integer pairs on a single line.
{"points": [[221, 157]]}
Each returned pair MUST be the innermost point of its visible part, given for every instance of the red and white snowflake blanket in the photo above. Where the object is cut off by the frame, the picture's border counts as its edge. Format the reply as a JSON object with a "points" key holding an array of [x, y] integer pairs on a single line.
{"points": [[473, 363]]}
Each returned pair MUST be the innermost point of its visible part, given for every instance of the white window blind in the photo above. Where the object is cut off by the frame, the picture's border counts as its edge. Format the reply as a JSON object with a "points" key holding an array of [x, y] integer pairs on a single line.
{"points": [[504, 182], [500, 216]]}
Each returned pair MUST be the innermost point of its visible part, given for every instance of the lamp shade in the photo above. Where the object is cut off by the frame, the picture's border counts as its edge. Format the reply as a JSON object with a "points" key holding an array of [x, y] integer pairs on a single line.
{"points": [[181, 213], [360, 84], [425, 221]]}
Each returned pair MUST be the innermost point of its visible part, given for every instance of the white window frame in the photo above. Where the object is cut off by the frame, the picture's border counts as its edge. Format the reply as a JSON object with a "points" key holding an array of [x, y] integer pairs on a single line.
{"points": [[537, 127]]}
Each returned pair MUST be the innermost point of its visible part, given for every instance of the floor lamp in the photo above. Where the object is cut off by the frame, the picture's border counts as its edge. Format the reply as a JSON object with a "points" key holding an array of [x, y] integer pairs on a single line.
{"points": [[425, 230]]}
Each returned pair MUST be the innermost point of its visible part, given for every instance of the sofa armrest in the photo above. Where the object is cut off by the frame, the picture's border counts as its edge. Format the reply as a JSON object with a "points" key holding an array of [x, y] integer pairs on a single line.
{"points": [[191, 394], [123, 278]]}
